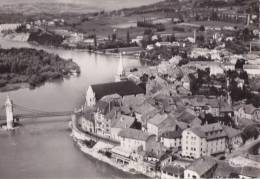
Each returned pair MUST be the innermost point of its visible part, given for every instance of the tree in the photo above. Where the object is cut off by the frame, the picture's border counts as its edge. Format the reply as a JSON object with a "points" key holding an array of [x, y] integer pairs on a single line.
{"points": [[202, 28], [128, 40]]}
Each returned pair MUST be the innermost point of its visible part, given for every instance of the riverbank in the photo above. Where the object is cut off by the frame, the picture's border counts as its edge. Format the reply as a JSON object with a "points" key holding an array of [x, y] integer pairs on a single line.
{"points": [[102, 150]]}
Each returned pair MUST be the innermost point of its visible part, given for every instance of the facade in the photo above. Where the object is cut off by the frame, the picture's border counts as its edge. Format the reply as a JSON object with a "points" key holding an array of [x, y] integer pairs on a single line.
{"points": [[248, 112], [144, 112], [134, 140], [122, 88], [87, 122], [201, 168], [234, 138], [203, 141], [117, 125], [103, 117], [172, 139], [153, 125]]}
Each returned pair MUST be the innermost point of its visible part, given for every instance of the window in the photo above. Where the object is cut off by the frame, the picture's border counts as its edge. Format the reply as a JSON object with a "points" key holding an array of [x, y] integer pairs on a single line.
{"points": [[194, 177]]}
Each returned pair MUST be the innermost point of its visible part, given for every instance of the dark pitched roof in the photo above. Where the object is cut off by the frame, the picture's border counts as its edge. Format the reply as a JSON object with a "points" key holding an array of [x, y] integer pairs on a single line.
{"points": [[122, 88]]}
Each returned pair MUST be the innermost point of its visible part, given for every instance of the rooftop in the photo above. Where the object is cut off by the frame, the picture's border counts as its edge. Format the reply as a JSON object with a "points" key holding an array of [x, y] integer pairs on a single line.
{"points": [[202, 165], [158, 119], [134, 134], [123, 122], [209, 131], [172, 134], [122, 88], [177, 170]]}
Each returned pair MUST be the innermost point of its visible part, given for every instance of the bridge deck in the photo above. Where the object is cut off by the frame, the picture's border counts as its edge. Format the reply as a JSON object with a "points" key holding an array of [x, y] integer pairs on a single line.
{"points": [[40, 115]]}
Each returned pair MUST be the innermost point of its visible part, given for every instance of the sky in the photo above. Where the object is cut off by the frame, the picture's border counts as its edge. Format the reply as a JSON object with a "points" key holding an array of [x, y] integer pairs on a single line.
{"points": [[103, 4]]}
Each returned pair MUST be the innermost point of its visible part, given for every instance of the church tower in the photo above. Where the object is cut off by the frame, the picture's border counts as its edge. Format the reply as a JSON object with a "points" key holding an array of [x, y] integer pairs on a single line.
{"points": [[9, 113], [120, 75]]}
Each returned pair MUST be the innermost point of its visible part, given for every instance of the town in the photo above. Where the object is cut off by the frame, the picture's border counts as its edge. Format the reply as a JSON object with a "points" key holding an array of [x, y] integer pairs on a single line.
{"points": [[191, 110]]}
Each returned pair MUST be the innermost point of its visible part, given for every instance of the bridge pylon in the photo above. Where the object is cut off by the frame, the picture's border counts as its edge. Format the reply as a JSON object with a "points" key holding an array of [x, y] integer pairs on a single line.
{"points": [[9, 114]]}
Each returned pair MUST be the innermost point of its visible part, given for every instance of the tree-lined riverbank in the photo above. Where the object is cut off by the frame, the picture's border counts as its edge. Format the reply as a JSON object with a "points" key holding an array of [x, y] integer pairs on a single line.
{"points": [[34, 67]]}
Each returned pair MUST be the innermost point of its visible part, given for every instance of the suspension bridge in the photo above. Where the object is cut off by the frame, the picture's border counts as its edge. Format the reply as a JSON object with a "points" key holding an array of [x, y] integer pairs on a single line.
{"points": [[11, 112]]}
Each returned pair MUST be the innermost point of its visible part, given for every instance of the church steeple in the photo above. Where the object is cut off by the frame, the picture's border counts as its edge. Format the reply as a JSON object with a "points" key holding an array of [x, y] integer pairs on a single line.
{"points": [[9, 113], [120, 75]]}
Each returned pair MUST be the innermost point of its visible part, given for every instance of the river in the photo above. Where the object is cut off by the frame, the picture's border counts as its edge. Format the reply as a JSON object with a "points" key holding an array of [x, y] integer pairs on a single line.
{"points": [[43, 148]]}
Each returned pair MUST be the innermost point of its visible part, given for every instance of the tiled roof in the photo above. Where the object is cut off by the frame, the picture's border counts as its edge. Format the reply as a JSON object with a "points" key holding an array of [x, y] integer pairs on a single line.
{"points": [[123, 122], [202, 165], [209, 131], [158, 119], [224, 170], [231, 132], [187, 116], [176, 170], [144, 108], [134, 134], [122, 88]]}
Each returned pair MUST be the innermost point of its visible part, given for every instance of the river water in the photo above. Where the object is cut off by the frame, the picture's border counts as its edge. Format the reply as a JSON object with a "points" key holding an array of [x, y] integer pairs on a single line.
{"points": [[42, 148]]}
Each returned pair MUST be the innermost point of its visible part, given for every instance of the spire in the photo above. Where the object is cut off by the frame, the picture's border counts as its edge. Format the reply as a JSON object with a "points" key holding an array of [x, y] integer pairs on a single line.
{"points": [[8, 101], [120, 69], [120, 76]]}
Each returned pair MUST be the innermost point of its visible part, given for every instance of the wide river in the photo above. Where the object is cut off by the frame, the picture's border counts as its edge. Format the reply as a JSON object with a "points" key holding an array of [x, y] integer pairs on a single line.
{"points": [[43, 148]]}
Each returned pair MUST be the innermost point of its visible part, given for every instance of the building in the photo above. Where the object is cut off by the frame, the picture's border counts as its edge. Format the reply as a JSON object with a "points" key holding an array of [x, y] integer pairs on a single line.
{"points": [[122, 88], [105, 113], [6, 27], [120, 76], [172, 172], [171, 139], [201, 168], [135, 140], [144, 112], [203, 141], [87, 121], [247, 111], [153, 124], [234, 138], [124, 122]]}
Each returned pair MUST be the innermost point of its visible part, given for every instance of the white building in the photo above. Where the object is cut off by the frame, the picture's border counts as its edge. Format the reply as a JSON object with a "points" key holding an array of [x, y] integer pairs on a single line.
{"points": [[172, 139], [203, 141], [4, 27]]}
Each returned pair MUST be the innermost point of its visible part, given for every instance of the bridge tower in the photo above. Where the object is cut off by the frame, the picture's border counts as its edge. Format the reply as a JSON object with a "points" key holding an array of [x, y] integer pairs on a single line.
{"points": [[9, 113]]}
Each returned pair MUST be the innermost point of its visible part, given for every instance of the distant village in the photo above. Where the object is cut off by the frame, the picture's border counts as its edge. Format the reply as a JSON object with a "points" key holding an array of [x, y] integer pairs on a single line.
{"points": [[192, 110]]}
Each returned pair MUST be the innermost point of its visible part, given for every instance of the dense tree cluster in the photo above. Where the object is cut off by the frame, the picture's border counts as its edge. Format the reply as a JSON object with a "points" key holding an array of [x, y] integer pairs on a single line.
{"points": [[46, 38], [32, 66]]}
